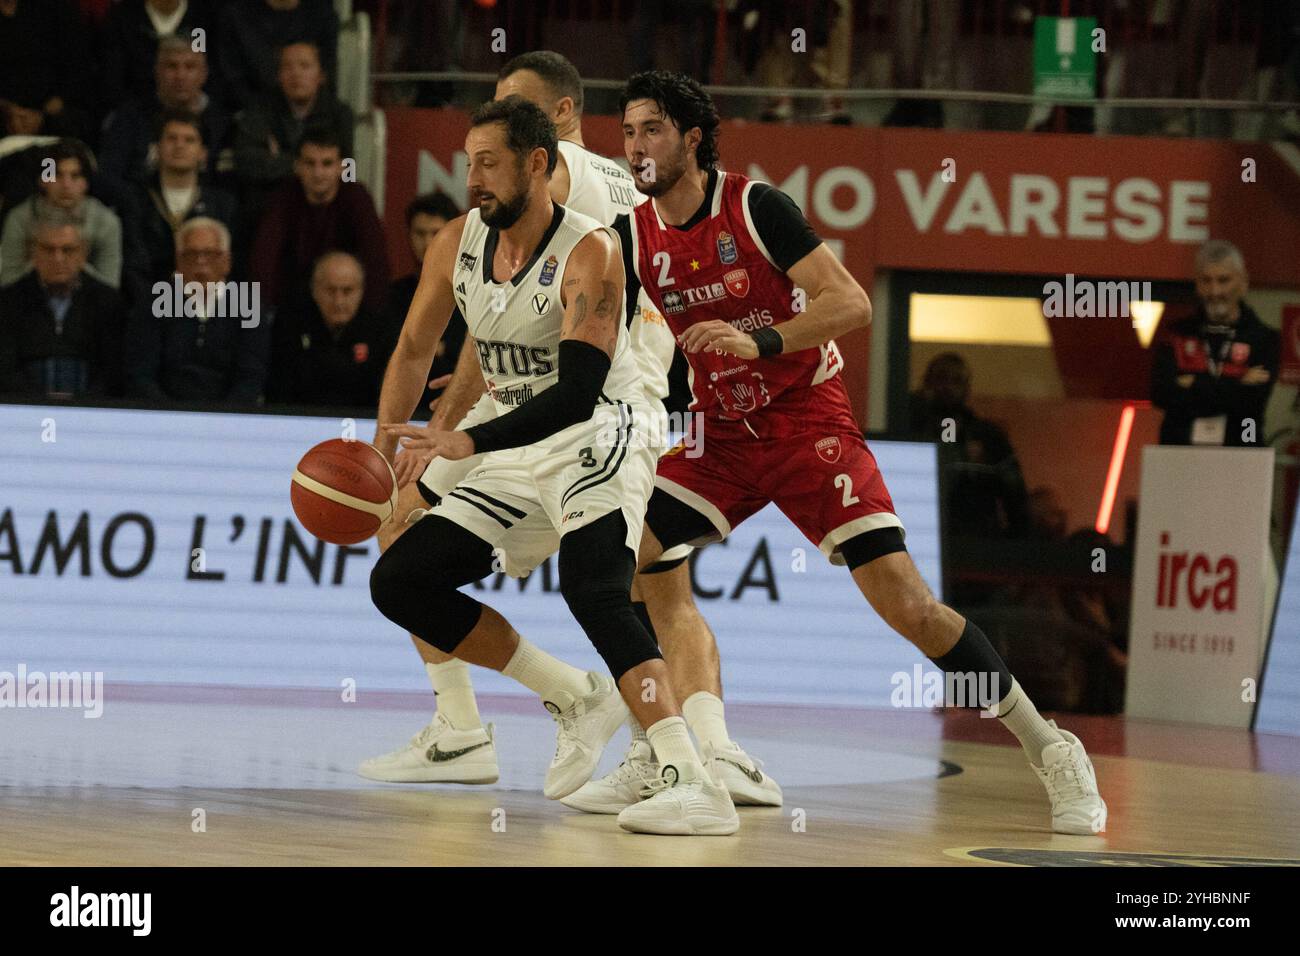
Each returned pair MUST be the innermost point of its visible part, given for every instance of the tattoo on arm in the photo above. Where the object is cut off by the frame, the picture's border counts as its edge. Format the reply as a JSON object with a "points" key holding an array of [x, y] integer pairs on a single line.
{"points": [[608, 295], [579, 310]]}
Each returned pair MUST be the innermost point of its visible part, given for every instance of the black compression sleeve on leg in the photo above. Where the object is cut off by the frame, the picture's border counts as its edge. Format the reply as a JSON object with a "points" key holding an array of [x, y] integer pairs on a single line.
{"points": [[974, 657], [414, 583], [596, 568], [643, 615]]}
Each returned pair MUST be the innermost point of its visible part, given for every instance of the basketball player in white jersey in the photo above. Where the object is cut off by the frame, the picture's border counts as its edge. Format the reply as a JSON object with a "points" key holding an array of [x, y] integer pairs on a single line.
{"points": [[565, 465], [455, 747]]}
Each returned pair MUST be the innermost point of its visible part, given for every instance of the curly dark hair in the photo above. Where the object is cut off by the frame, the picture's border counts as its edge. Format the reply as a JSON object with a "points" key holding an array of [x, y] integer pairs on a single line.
{"points": [[527, 127], [682, 100]]}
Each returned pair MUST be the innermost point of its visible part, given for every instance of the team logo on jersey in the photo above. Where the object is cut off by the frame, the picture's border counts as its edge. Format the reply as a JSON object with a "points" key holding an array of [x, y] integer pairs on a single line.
{"points": [[737, 282], [673, 303], [548, 271], [726, 248], [828, 449], [1239, 352], [541, 304], [360, 352], [466, 261]]}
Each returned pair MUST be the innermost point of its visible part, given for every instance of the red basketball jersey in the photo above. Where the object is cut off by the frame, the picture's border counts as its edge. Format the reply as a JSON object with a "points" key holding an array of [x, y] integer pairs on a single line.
{"points": [[719, 268]]}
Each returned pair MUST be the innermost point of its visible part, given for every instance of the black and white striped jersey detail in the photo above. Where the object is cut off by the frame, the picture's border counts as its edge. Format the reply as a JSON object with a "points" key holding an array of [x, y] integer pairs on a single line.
{"points": [[622, 439], [509, 509], [459, 492]]}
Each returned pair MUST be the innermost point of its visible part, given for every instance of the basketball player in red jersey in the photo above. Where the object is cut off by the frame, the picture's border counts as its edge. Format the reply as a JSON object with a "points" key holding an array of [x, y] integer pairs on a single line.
{"points": [[756, 300]]}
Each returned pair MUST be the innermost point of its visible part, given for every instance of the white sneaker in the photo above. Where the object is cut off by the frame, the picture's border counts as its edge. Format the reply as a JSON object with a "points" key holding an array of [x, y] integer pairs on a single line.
{"points": [[438, 754], [683, 802], [622, 786], [742, 775], [1071, 785], [584, 726]]}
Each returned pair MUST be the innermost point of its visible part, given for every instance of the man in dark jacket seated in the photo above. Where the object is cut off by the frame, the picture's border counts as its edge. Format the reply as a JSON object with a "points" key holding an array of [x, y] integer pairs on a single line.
{"points": [[60, 328], [209, 348], [314, 213], [127, 151], [335, 351], [159, 206]]}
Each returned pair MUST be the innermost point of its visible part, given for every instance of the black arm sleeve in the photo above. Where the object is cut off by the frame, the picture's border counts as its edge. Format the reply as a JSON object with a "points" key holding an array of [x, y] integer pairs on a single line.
{"points": [[781, 225], [570, 400]]}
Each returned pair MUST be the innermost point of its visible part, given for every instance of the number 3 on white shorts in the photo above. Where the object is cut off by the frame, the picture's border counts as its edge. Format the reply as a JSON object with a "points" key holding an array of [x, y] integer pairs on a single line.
{"points": [[845, 482]]}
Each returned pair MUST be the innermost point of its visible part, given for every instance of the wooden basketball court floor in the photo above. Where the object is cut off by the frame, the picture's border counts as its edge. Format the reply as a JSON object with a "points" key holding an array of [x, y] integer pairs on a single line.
{"points": [[218, 776]]}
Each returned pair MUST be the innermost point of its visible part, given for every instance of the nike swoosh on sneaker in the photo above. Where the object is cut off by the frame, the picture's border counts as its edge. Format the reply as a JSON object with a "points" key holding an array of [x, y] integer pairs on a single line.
{"points": [[438, 756], [754, 775]]}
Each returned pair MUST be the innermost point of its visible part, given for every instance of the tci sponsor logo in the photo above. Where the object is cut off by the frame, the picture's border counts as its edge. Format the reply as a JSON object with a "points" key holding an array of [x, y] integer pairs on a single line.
{"points": [[676, 302], [1190, 574]]}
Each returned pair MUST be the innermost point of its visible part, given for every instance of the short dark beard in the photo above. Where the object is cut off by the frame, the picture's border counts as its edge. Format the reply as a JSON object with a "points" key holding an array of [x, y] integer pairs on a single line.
{"points": [[665, 179], [508, 213]]}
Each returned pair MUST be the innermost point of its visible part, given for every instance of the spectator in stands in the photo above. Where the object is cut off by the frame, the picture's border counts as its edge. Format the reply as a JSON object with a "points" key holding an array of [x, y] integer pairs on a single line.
{"points": [[155, 210], [1212, 372], [43, 59], [20, 168], [218, 358], [132, 38], [697, 24], [312, 214], [336, 351], [425, 216], [923, 43], [60, 327], [71, 164], [826, 62], [252, 31], [268, 132], [130, 136], [984, 493]]}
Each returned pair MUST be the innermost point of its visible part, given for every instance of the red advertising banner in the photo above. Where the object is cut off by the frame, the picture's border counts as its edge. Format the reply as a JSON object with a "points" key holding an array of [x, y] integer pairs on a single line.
{"points": [[1288, 372], [1027, 203]]}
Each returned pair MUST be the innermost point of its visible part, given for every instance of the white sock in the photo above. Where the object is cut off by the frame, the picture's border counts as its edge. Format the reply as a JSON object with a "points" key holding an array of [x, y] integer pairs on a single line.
{"points": [[671, 742], [1018, 715], [455, 693], [704, 712], [638, 732], [543, 674]]}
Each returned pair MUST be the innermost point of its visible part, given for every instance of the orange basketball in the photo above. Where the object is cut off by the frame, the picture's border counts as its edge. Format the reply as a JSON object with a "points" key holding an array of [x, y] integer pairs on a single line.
{"points": [[343, 491]]}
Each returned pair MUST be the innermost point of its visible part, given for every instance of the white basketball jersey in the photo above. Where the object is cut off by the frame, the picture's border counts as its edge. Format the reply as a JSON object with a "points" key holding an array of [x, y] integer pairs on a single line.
{"points": [[516, 323], [603, 190]]}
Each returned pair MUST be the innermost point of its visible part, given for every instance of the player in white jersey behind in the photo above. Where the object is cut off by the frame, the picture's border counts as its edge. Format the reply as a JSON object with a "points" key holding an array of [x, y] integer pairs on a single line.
{"points": [[542, 292], [455, 747]]}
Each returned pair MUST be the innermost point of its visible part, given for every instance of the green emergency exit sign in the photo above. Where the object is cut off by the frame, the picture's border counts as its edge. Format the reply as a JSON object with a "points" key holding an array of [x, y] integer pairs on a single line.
{"points": [[1065, 66]]}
